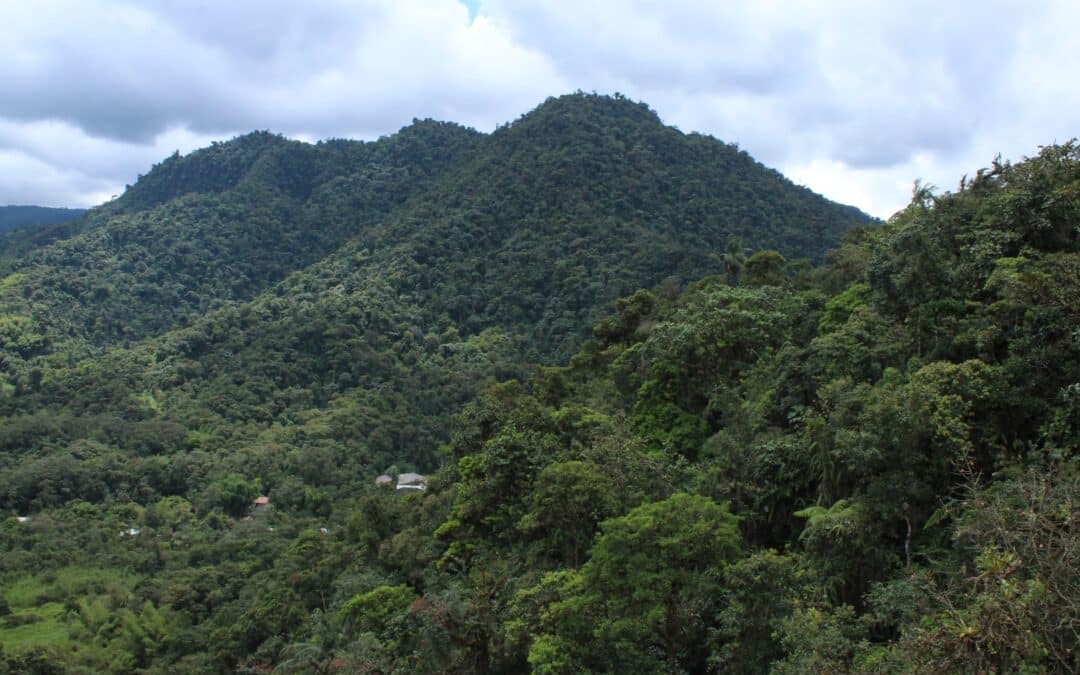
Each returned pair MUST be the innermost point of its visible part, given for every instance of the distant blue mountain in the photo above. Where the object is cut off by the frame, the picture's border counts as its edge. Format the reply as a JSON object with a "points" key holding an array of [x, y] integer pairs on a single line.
{"points": [[12, 217]]}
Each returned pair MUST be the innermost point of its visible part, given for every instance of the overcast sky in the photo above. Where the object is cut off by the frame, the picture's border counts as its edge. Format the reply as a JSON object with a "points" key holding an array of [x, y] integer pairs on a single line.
{"points": [[854, 99]]}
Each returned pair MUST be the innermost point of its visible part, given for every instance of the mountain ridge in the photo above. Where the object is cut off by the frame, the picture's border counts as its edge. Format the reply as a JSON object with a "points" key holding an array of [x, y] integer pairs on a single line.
{"points": [[279, 205], [430, 247]]}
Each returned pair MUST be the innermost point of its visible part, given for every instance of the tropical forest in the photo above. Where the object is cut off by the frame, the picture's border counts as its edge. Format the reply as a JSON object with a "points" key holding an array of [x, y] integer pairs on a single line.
{"points": [[584, 394]]}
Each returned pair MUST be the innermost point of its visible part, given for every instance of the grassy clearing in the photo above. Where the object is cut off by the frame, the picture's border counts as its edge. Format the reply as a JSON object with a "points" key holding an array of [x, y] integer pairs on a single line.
{"points": [[32, 591], [49, 630], [43, 596]]}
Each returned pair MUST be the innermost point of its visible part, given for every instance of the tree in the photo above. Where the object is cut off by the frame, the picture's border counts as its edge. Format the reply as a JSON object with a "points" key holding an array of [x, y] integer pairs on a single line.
{"points": [[569, 500], [645, 599], [1013, 606], [766, 268], [376, 610], [734, 260], [232, 494], [760, 592]]}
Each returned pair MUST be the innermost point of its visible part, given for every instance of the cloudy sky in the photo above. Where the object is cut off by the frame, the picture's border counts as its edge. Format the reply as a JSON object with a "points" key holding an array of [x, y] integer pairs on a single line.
{"points": [[854, 99]]}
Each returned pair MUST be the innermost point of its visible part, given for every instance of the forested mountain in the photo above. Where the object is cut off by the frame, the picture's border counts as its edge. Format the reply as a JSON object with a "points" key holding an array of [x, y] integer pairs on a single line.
{"points": [[755, 464], [443, 258], [12, 217], [215, 227], [582, 200]]}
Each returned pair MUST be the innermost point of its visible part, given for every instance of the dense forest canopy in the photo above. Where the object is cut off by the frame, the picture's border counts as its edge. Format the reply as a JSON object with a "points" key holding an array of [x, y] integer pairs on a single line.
{"points": [[676, 413]]}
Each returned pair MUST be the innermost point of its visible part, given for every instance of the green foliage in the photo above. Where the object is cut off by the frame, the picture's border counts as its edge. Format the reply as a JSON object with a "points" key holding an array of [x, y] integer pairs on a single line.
{"points": [[749, 465], [819, 641], [842, 306], [41, 627], [759, 594], [374, 610], [640, 603], [766, 268], [1014, 608], [232, 494], [569, 501]]}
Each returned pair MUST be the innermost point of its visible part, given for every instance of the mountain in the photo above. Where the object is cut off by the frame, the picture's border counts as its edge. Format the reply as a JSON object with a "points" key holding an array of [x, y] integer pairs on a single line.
{"points": [[263, 279], [270, 317], [24, 228], [12, 217], [218, 226], [604, 194]]}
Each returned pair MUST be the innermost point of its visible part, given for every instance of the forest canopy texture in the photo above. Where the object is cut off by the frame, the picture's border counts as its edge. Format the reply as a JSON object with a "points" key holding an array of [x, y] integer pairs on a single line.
{"points": [[676, 414]]}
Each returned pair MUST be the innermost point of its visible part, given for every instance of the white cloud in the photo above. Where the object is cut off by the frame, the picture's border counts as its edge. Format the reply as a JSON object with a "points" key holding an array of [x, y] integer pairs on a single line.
{"points": [[854, 99], [52, 186]]}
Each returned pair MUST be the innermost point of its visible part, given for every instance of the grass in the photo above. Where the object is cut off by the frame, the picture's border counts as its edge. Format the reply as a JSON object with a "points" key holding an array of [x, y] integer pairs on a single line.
{"points": [[50, 631], [34, 590], [43, 596]]}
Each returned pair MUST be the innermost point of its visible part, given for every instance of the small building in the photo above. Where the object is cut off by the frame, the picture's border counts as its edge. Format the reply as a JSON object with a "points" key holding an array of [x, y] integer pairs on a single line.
{"points": [[130, 532], [384, 481], [260, 505], [22, 519], [411, 481]]}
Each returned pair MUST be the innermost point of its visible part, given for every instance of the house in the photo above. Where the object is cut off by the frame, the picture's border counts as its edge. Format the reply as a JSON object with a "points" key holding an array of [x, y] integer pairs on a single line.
{"points": [[384, 481], [411, 481], [261, 505], [23, 519]]}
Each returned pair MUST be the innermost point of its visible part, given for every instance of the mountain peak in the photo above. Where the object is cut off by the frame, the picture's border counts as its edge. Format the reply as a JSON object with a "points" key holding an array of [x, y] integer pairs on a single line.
{"points": [[588, 110], [593, 104], [212, 169]]}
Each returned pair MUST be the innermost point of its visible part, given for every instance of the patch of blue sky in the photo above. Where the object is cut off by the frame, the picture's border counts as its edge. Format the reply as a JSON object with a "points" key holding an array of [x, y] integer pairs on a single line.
{"points": [[473, 6]]}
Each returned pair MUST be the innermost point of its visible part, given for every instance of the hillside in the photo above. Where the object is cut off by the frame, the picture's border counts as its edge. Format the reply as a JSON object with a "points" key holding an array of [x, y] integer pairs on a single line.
{"points": [[12, 217], [271, 317], [608, 197], [874, 470], [503, 250], [865, 467], [217, 226], [31, 227]]}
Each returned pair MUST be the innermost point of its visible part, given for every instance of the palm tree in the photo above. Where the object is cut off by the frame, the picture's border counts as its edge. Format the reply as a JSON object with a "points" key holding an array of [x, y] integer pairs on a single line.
{"points": [[306, 657], [734, 260]]}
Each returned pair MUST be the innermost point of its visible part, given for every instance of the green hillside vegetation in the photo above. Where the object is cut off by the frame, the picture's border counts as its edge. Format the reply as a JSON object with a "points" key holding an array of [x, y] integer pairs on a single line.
{"points": [[366, 353], [216, 227], [754, 464], [24, 228], [584, 199]]}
